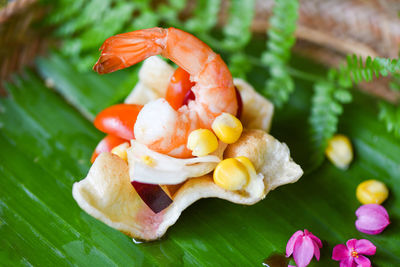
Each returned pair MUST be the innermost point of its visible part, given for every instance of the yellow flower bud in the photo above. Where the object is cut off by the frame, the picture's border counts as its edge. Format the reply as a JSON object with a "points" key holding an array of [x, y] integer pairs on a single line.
{"points": [[372, 192], [340, 151]]}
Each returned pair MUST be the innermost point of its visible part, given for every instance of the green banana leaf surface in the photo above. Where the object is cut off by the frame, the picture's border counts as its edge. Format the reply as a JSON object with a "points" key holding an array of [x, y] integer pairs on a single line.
{"points": [[46, 140]]}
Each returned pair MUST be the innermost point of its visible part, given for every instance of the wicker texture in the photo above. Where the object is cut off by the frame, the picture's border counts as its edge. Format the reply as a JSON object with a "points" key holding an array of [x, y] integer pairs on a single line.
{"points": [[363, 27], [20, 40], [328, 30]]}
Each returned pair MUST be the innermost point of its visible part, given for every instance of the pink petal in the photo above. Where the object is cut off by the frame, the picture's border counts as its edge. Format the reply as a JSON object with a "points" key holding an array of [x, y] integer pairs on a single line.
{"points": [[340, 252], [372, 219], [316, 239], [303, 251], [372, 208], [316, 250], [362, 261], [291, 242], [364, 246], [349, 262], [351, 244], [291, 265], [313, 237]]}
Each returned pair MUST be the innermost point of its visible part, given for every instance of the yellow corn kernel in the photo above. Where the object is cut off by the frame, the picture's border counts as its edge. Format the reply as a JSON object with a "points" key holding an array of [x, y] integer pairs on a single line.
{"points": [[231, 174], [372, 192], [340, 151], [120, 151], [148, 160], [248, 164], [202, 142], [227, 127]]}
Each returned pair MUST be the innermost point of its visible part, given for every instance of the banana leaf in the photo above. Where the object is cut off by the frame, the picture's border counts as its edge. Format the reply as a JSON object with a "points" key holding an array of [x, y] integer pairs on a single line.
{"points": [[46, 139]]}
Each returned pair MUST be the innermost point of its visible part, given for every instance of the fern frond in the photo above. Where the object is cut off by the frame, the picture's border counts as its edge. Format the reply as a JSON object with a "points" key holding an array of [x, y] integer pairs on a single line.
{"points": [[90, 13], [394, 84], [239, 64], [236, 32], [236, 35], [390, 115], [205, 16], [325, 109], [331, 94], [365, 71], [169, 12], [61, 14], [84, 25], [280, 41]]}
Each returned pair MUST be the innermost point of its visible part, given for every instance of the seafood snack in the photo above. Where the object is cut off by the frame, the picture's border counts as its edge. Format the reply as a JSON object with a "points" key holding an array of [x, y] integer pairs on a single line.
{"points": [[182, 134]]}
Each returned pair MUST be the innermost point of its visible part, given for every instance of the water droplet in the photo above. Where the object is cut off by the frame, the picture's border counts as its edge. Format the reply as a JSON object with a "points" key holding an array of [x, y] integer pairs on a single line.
{"points": [[49, 83], [136, 241]]}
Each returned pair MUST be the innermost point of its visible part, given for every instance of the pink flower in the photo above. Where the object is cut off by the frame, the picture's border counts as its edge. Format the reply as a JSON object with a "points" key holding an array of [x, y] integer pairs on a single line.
{"points": [[303, 246], [351, 255], [372, 219]]}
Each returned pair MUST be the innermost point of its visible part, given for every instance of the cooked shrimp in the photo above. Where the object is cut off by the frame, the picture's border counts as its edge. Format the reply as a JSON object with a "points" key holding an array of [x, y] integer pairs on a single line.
{"points": [[158, 125]]}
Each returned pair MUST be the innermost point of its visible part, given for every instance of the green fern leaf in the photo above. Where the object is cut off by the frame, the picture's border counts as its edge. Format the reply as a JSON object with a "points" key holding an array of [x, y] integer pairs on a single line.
{"points": [[280, 41], [205, 16], [237, 31], [390, 115], [326, 107], [359, 71], [395, 82], [331, 94], [239, 64]]}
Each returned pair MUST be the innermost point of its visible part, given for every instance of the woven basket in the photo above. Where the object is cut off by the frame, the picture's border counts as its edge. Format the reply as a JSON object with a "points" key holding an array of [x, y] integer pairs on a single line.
{"points": [[327, 30], [20, 38]]}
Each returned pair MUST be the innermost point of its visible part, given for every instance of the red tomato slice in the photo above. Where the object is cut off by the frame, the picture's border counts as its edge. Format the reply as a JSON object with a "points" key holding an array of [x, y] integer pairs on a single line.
{"points": [[106, 145], [178, 88], [118, 120]]}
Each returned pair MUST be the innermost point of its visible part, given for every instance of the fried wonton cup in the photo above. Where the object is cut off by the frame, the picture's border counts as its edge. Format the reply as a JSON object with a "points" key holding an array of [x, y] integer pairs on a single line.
{"points": [[107, 194]]}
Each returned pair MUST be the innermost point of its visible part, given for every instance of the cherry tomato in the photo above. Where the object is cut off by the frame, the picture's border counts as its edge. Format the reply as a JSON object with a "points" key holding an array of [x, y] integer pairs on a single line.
{"points": [[178, 88], [118, 120], [106, 145]]}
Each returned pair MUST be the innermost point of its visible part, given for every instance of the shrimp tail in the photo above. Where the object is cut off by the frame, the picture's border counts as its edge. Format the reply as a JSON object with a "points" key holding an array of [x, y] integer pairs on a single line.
{"points": [[126, 49]]}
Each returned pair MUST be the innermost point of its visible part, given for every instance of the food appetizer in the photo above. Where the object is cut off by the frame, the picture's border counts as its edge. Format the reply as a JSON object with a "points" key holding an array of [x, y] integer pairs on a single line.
{"points": [[181, 135]]}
